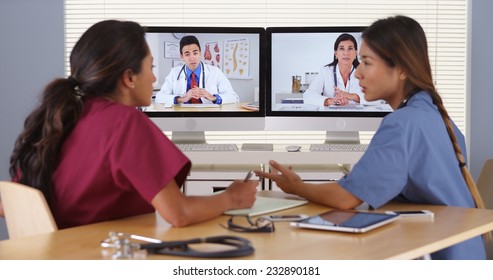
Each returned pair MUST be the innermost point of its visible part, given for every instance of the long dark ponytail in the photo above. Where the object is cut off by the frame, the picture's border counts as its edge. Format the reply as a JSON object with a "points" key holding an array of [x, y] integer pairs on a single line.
{"points": [[400, 41], [97, 61], [37, 148]]}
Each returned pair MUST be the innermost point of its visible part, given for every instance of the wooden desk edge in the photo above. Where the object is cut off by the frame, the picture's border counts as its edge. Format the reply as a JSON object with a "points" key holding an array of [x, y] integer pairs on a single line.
{"points": [[38, 247]]}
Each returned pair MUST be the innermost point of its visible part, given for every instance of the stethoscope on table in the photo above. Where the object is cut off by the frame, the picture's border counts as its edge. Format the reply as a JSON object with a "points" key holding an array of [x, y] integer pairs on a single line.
{"points": [[125, 249], [186, 77]]}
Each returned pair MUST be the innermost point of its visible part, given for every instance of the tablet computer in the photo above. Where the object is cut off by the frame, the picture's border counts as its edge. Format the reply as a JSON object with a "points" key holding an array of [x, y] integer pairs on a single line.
{"points": [[346, 220]]}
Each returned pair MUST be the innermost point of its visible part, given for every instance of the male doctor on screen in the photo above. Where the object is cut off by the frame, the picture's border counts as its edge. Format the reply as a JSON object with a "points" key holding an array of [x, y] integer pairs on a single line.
{"points": [[195, 82]]}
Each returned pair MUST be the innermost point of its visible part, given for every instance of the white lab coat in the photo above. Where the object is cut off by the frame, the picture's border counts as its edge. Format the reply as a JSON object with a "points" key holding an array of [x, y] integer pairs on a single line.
{"points": [[322, 87], [215, 83]]}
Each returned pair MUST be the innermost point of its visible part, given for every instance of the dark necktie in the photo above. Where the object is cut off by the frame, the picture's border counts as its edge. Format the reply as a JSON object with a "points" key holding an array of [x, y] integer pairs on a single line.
{"points": [[194, 84]]}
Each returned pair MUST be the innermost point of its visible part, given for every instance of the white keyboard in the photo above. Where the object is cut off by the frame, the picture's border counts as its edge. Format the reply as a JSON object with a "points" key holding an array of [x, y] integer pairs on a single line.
{"points": [[207, 147], [338, 147], [346, 107]]}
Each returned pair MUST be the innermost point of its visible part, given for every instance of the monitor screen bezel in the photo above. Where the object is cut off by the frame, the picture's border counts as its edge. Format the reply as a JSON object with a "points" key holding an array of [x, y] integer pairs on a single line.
{"points": [[219, 30], [315, 114]]}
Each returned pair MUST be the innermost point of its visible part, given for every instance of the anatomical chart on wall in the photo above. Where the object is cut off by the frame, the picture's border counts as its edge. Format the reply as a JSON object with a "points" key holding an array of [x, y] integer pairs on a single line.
{"points": [[237, 58], [213, 54]]}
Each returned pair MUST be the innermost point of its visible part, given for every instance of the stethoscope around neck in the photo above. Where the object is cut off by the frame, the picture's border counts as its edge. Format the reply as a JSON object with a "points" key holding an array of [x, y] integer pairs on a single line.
{"points": [[404, 102], [186, 77], [335, 75]]}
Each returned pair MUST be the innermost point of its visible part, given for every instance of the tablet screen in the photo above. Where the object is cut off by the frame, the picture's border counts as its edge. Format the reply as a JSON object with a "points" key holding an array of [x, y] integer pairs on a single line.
{"points": [[344, 220]]}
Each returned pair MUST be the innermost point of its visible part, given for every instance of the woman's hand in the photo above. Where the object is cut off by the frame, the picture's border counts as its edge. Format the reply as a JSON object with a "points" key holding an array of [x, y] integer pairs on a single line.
{"points": [[343, 95], [242, 194], [284, 177], [340, 100], [328, 193]]}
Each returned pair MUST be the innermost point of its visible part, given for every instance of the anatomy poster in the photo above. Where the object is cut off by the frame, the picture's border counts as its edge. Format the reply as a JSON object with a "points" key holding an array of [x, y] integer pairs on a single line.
{"points": [[237, 58], [213, 54]]}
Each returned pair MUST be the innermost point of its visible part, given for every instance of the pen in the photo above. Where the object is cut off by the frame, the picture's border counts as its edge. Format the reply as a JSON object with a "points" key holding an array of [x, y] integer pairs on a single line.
{"points": [[249, 175]]}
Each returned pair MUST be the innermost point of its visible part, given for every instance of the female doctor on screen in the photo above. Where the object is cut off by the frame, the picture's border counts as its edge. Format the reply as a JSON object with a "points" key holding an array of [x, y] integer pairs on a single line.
{"points": [[417, 155], [335, 83], [195, 82]]}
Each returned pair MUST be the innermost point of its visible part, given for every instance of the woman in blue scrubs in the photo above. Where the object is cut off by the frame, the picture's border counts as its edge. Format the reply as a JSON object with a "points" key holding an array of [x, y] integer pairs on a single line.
{"points": [[418, 154]]}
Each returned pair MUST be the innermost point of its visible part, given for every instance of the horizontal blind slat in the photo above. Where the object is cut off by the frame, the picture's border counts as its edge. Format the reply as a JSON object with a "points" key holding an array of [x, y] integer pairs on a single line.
{"points": [[444, 21]]}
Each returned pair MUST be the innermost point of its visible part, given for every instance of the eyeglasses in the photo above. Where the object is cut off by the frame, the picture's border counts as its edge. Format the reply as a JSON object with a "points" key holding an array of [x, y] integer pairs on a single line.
{"points": [[259, 225]]}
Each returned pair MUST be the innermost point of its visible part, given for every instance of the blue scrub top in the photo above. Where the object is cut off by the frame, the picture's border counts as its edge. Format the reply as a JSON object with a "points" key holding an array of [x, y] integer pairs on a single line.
{"points": [[411, 159]]}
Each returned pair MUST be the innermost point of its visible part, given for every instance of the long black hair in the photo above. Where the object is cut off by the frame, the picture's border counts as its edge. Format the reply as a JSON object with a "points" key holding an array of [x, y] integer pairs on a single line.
{"points": [[401, 41], [341, 38], [97, 61]]}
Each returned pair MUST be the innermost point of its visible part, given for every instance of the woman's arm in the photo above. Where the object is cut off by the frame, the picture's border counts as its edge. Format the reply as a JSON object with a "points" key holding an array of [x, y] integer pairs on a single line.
{"points": [[180, 210], [330, 194]]}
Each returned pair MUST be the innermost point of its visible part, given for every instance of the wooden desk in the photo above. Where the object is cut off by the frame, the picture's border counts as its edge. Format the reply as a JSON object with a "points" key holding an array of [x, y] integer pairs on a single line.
{"points": [[404, 239]]}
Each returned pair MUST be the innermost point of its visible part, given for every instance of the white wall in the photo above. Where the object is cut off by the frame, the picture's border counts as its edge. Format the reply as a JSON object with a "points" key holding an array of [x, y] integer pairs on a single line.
{"points": [[31, 54], [481, 132]]}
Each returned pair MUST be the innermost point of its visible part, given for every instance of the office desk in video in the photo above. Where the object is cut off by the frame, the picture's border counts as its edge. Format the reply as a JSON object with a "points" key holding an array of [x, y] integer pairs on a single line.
{"points": [[235, 107], [404, 239], [298, 105]]}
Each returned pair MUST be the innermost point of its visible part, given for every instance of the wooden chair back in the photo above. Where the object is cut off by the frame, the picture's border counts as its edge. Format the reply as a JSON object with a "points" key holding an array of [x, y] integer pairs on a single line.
{"points": [[485, 188], [26, 210], [485, 184]]}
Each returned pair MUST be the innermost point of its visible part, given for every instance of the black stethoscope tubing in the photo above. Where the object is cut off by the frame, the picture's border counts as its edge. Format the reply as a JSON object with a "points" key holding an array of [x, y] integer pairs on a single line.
{"points": [[335, 75], [404, 102], [183, 70], [239, 247]]}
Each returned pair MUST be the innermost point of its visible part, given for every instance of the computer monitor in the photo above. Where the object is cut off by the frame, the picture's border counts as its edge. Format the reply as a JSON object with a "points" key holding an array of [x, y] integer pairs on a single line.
{"points": [[300, 78], [237, 52]]}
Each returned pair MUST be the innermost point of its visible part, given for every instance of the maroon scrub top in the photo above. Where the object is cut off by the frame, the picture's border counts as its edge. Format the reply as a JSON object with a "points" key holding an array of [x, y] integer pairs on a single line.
{"points": [[112, 165]]}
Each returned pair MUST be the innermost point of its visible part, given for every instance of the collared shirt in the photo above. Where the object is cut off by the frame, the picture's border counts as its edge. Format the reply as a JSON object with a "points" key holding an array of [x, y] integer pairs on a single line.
{"points": [[197, 72], [411, 159], [322, 86], [213, 79]]}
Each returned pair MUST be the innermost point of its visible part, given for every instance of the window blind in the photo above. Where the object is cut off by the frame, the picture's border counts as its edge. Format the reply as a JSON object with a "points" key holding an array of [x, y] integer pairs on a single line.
{"points": [[444, 21]]}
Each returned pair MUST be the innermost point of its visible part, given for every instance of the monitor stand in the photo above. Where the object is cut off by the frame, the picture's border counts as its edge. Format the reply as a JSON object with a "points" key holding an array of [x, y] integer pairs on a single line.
{"points": [[342, 137], [188, 137]]}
